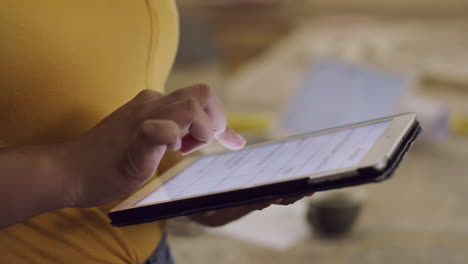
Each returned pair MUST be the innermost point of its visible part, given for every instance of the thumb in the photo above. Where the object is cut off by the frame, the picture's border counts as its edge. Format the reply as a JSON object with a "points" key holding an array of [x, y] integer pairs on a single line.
{"points": [[152, 141]]}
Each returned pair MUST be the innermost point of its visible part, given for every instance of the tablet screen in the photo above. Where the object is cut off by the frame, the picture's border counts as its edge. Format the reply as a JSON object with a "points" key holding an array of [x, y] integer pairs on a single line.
{"points": [[272, 162]]}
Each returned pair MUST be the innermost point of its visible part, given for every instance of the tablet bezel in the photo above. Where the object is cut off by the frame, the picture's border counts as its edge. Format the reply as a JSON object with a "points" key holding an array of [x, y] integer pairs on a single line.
{"points": [[376, 158]]}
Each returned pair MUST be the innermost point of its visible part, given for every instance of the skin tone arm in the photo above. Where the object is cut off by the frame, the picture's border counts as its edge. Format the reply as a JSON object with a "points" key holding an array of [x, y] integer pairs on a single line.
{"points": [[117, 156], [114, 158], [31, 183]]}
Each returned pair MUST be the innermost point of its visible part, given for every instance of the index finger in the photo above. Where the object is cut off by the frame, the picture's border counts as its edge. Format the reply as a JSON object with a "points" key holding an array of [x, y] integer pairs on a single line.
{"points": [[207, 99], [231, 139], [214, 110]]}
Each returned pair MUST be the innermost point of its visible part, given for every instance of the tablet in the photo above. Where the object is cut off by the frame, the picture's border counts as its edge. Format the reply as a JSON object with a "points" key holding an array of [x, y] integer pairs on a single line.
{"points": [[329, 159]]}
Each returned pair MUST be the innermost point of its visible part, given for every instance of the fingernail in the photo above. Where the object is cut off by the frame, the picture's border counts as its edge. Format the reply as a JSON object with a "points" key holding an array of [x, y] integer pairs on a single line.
{"points": [[240, 139]]}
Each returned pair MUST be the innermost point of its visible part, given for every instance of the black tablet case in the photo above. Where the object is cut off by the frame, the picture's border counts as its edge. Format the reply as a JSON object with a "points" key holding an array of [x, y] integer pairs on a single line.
{"points": [[262, 193]]}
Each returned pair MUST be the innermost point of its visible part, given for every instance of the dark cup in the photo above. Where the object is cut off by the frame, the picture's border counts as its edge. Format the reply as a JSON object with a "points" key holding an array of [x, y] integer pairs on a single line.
{"points": [[333, 216]]}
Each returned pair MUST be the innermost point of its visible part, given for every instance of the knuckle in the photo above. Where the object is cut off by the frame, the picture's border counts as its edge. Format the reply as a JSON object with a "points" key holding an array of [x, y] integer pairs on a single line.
{"points": [[148, 94], [147, 127], [170, 131], [205, 90], [173, 126], [178, 94], [142, 110], [192, 105]]}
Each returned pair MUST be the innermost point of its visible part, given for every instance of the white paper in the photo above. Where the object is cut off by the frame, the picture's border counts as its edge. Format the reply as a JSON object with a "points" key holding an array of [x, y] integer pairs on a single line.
{"points": [[277, 227]]}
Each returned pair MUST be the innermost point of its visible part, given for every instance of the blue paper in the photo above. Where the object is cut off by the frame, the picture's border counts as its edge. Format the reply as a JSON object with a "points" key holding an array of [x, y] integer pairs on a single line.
{"points": [[336, 93]]}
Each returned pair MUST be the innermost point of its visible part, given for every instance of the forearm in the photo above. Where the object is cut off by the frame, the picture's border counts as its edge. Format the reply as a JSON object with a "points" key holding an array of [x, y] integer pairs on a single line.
{"points": [[31, 183]]}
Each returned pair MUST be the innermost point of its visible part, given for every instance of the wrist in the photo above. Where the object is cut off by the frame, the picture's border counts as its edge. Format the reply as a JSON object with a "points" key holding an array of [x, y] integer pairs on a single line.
{"points": [[32, 183], [54, 163]]}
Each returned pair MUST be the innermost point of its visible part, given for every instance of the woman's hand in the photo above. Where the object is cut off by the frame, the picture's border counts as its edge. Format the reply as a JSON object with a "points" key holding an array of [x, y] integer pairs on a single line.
{"points": [[224, 216], [123, 151]]}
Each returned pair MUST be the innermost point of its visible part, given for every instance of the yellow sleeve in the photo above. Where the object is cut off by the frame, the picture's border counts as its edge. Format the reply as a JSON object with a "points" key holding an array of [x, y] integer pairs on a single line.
{"points": [[65, 65]]}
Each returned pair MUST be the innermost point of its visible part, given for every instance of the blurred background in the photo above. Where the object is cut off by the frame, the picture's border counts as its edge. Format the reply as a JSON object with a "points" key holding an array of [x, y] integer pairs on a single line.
{"points": [[286, 67]]}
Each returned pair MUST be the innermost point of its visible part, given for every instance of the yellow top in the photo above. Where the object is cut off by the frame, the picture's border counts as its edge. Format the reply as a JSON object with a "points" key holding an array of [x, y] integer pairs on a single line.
{"points": [[65, 65]]}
